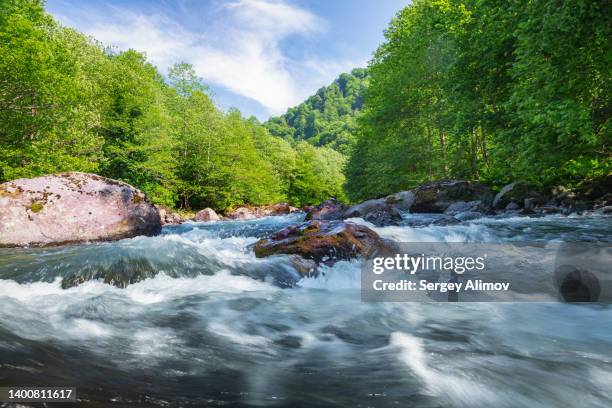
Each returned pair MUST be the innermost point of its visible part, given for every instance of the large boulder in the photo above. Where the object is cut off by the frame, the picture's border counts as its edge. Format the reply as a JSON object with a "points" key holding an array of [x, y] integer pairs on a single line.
{"points": [[516, 193], [402, 200], [207, 214], [73, 207], [375, 211], [330, 209], [320, 241], [437, 196]]}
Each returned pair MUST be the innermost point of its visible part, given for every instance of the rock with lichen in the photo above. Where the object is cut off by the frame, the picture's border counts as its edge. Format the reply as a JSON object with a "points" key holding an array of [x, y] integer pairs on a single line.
{"points": [[72, 207], [321, 241]]}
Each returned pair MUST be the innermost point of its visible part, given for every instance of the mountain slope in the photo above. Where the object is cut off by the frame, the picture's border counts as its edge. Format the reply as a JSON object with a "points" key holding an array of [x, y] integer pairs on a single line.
{"points": [[328, 118]]}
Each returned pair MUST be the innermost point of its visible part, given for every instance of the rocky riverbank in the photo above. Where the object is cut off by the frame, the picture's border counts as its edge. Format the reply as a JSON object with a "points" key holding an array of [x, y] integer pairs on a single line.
{"points": [[79, 207]]}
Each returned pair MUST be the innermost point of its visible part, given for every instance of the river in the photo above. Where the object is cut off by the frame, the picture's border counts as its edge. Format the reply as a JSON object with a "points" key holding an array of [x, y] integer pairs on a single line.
{"points": [[214, 326]]}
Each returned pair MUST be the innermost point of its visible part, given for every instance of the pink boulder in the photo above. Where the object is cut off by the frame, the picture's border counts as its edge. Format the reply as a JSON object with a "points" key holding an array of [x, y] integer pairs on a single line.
{"points": [[71, 208], [207, 214]]}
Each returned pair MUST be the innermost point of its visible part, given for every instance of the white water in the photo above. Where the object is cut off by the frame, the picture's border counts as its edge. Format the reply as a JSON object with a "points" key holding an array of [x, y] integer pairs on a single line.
{"points": [[216, 324]]}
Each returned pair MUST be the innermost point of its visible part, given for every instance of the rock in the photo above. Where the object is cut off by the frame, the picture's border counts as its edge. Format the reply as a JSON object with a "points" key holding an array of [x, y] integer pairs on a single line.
{"points": [[250, 213], [402, 200], [375, 211], [515, 192], [207, 214], [437, 196], [383, 217], [73, 207], [243, 213], [467, 206], [545, 209], [512, 206], [438, 220], [530, 203], [305, 267], [320, 241], [167, 216], [468, 215], [603, 201], [120, 273], [307, 208], [330, 209], [277, 209], [361, 209]]}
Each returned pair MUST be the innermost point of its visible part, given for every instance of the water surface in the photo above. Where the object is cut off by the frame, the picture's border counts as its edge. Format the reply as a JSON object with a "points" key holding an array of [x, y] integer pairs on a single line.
{"points": [[214, 326]]}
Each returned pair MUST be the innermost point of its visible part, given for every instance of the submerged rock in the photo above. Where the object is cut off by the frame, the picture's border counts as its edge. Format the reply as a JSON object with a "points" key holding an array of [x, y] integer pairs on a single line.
{"points": [[207, 214], [305, 267], [375, 211], [468, 215], [330, 209], [437, 196], [437, 220], [120, 273], [73, 207], [320, 241]]}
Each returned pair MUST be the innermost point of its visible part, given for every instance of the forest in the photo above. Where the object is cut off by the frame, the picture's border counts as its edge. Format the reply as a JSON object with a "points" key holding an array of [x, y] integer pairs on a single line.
{"points": [[474, 89], [487, 90], [68, 103]]}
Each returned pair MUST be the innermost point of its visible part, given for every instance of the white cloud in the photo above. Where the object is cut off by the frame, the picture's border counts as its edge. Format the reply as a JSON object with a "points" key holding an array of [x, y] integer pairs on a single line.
{"points": [[238, 47]]}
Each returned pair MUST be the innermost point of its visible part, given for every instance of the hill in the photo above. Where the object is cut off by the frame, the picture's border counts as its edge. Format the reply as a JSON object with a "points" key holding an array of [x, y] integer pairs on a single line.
{"points": [[327, 118]]}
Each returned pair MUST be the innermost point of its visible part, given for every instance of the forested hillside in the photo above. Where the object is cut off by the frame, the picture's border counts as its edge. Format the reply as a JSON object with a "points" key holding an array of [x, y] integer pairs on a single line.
{"points": [[469, 89], [488, 90], [67, 103], [328, 118]]}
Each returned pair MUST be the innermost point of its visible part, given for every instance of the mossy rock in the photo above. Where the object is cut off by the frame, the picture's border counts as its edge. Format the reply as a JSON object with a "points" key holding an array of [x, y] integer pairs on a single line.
{"points": [[320, 241]]}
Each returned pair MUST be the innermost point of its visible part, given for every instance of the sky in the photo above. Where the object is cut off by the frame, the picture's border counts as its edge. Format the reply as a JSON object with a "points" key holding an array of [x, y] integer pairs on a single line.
{"points": [[260, 56]]}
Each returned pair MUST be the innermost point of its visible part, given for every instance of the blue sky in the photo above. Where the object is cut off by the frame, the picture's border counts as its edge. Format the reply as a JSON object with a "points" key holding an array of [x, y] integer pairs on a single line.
{"points": [[261, 56]]}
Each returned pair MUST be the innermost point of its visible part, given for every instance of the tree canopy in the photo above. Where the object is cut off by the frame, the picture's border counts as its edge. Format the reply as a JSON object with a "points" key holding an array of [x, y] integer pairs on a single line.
{"points": [[67, 103], [480, 90]]}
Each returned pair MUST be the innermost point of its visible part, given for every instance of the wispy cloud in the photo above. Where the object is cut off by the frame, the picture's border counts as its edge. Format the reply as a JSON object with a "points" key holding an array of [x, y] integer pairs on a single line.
{"points": [[238, 46]]}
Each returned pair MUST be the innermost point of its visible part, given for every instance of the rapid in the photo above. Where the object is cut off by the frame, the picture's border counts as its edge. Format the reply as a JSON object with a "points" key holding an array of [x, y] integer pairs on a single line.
{"points": [[212, 325]]}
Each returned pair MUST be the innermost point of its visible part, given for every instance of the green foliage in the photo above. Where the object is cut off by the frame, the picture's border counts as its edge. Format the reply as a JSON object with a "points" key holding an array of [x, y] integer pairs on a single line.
{"points": [[318, 175], [69, 104], [328, 118], [481, 90], [51, 96]]}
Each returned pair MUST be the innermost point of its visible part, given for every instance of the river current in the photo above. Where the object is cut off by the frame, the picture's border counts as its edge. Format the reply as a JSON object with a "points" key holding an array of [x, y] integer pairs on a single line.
{"points": [[215, 326]]}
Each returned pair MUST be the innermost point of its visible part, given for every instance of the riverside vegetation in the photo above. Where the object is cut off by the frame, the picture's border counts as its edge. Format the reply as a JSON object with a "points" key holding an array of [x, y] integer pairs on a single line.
{"points": [[465, 89]]}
